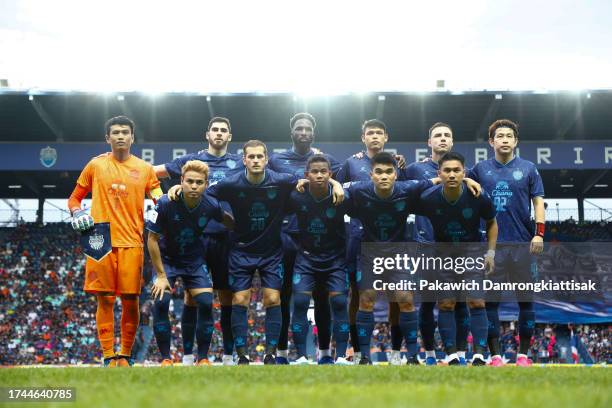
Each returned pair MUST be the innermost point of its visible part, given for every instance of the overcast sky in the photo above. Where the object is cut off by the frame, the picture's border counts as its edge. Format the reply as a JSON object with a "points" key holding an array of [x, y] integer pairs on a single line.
{"points": [[307, 47]]}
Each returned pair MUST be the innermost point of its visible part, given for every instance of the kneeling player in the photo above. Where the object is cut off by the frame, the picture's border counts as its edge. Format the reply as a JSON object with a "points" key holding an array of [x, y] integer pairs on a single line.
{"points": [[455, 216], [179, 253], [320, 259]]}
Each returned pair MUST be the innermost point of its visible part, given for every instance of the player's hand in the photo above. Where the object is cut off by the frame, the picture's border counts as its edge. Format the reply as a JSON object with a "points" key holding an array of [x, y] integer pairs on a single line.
{"points": [[425, 159], [160, 285], [474, 187], [316, 151], [175, 192], [537, 245], [489, 262], [401, 161], [358, 155], [301, 185], [81, 221], [337, 193]]}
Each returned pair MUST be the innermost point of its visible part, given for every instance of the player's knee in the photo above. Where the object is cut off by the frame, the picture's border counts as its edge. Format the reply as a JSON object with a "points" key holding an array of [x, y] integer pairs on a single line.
{"points": [[404, 307], [446, 305], [271, 298], [161, 306], [338, 302], [225, 297], [241, 298], [203, 299], [476, 303], [188, 299], [301, 301], [367, 299]]}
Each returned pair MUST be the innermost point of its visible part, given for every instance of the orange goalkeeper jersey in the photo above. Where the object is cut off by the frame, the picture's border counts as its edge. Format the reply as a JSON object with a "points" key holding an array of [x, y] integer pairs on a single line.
{"points": [[118, 193]]}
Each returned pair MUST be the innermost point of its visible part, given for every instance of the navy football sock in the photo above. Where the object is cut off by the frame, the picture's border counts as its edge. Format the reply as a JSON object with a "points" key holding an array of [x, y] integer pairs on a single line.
{"points": [[161, 325], [299, 327], [339, 304], [409, 324], [462, 322], [188, 325], [365, 327], [427, 325], [205, 325], [479, 328], [239, 328], [322, 314], [397, 337], [493, 327], [526, 323], [448, 330], [354, 337], [272, 328], [283, 338], [226, 329]]}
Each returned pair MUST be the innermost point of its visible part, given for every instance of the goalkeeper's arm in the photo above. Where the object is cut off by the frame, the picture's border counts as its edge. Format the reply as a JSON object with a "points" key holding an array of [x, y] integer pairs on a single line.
{"points": [[81, 221]]}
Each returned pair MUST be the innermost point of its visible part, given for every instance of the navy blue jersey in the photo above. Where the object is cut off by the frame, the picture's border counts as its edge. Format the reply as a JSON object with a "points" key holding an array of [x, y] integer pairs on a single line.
{"points": [[423, 231], [320, 224], [358, 169], [292, 163], [218, 169], [384, 219], [258, 209], [511, 186], [457, 221], [181, 229]]}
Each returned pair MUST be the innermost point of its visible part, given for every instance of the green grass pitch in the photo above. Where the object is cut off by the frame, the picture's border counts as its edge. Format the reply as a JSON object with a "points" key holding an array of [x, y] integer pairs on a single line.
{"points": [[329, 387]]}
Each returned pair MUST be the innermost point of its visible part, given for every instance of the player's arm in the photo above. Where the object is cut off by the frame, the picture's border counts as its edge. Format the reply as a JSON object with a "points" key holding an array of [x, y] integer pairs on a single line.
{"points": [[537, 243], [337, 190], [81, 221], [161, 283], [161, 172], [492, 231], [473, 186], [228, 220]]}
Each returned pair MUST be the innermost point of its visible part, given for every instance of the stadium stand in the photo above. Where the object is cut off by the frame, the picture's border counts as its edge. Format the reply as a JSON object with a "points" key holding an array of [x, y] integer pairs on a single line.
{"points": [[46, 318]]}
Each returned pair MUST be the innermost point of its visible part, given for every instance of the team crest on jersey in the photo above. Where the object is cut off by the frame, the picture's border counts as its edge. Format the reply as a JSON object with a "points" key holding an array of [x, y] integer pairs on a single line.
{"points": [[400, 206], [48, 156], [230, 163], [330, 212], [467, 213], [96, 241], [271, 193], [241, 194], [202, 221], [517, 174]]}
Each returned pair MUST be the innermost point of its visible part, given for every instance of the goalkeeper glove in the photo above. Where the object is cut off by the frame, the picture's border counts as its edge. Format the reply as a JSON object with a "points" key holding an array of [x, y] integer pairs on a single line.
{"points": [[81, 221]]}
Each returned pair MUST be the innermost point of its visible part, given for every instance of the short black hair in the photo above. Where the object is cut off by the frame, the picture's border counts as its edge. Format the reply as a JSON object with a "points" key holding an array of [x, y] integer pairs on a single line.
{"points": [[302, 115], [384, 158], [439, 124], [452, 156], [119, 120], [317, 158], [373, 123], [500, 123], [220, 119]]}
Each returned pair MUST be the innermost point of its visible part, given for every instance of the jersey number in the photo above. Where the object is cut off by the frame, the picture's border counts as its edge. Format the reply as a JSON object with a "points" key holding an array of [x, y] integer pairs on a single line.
{"points": [[500, 203]]}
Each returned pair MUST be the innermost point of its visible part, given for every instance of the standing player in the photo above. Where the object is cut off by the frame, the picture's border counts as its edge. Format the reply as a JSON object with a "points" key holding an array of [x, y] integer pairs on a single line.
{"points": [[118, 182], [357, 168], [455, 217], [257, 198], [180, 224], [320, 260], [216, 237], [515, 185], [294, 161], [441, 142]]}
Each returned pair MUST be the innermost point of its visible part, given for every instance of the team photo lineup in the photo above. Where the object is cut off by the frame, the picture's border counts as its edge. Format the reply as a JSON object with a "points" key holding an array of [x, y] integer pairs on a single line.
{"points": [[283, 216]]}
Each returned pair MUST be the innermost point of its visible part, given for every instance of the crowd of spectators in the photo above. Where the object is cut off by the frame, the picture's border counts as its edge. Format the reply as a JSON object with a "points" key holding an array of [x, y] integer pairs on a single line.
{"points": [[46, 318]]}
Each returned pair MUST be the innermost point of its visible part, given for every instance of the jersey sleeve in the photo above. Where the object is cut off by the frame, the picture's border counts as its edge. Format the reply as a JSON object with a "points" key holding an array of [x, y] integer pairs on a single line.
{"points": [[153, 184], [536, 187], [344, 174], [335, 165], [218, 190], [157, 217], [214, 211], [175, 166], [473, 173], [85, 179], [347, 205], [411, 172], [487, 208]]}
